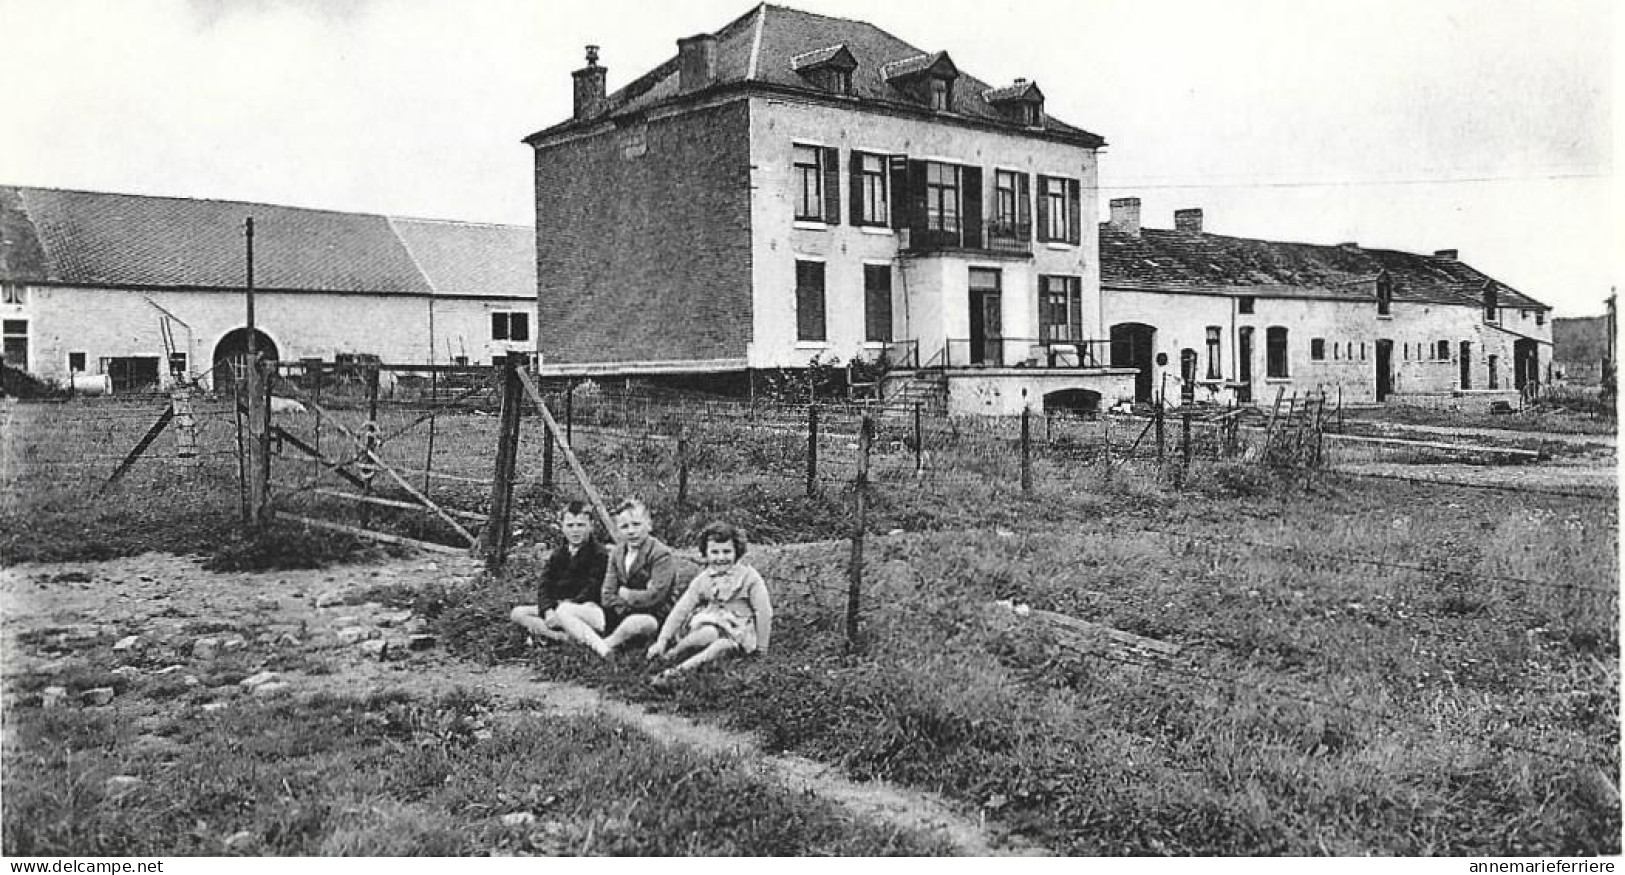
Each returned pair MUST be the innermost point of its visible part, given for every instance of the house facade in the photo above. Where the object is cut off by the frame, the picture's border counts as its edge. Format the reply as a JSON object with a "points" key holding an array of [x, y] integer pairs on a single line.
{"points": [[1207, 317], [146, 290], [797, 187]]}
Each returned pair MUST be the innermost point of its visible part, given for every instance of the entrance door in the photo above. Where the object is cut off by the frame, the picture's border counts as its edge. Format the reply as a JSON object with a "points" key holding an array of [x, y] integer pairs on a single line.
{"points": [[1385, 369], [1187, 375], [1244, 366], [986, 322], [1466, 365], [1132, 343], [1525, 364]]}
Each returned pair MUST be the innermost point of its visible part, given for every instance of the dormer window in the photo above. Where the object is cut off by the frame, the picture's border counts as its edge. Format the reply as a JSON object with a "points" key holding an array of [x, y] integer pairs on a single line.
{"points": [[928, 79], [829, 69], [1021, 103]]}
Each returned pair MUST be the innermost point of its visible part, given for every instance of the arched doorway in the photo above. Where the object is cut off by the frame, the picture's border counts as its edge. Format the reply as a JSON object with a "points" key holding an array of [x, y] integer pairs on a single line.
{"points": [[234, 346], [1132, 345], [1072, 401]]}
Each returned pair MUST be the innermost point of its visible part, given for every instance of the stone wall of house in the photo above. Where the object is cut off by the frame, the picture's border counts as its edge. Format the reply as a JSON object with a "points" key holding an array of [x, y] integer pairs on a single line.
{"points": [[1350, 331], [929, 294], [643, 240]]}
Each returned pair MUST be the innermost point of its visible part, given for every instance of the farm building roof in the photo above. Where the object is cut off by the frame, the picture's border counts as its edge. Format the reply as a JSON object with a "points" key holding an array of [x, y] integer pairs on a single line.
{"points": [[770, 45], [103, 239], [1194, 261]]}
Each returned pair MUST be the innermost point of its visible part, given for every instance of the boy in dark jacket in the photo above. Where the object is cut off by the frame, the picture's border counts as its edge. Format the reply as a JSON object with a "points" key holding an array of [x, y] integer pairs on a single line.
{"points": [[572, 576], [640, 585]]}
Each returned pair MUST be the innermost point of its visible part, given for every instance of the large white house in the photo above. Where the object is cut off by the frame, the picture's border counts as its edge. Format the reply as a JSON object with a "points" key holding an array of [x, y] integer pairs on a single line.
{"points": [[139, 288]]}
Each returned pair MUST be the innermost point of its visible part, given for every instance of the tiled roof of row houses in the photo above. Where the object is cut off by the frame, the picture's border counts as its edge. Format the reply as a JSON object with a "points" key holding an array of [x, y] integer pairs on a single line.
{"points": [[767, 45], [103, 239], [1174, 261]]}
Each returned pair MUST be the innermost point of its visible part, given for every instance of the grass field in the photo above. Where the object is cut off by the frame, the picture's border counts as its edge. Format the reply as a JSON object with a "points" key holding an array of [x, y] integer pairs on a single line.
{"points": [[1367, 667]]}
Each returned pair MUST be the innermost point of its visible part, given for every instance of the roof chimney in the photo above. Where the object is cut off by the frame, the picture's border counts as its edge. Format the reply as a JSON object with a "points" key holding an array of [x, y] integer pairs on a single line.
{"points": [[1446, 254], [696, 62], [1126, 215], [1349, 245], [589, 87], [1189, 221]]}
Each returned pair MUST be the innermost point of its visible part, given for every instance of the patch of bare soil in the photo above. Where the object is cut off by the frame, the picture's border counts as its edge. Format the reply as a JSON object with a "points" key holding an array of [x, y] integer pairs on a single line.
{"points": [[183, 616]]}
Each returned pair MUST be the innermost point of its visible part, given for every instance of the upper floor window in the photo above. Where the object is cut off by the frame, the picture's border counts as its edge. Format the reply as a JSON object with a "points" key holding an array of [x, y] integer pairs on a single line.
{"points": [[12, 293], [1011, 217], [1275, 357], [1058, 209], [941, 94], [1245, 304], [510, 326], [816, 186], [1490, 304], [1540, 317], [1442, 350], [941, 196], [1385, 295], [1213, 335], [837, 81], [1317, 349], [1060, 309], [869, 193]]}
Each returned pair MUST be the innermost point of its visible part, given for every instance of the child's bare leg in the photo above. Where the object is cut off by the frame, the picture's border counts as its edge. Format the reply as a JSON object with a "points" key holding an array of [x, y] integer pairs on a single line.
{"points": [[713, 651], [699, 639], [582, 623], [635, 626], [526, 617]]}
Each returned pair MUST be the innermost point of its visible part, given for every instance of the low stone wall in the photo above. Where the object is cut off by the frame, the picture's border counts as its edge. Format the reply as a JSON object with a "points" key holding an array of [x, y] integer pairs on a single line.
{"points": [[999, 391], [1479, 400]]}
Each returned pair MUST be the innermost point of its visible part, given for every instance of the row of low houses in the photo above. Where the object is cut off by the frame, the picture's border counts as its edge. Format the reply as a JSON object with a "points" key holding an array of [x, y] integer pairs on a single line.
{"points": [[790, 187]]}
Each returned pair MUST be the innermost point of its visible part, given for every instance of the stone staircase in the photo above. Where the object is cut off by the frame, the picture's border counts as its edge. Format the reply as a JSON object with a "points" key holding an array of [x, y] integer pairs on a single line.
{"points": [[928, 388]]}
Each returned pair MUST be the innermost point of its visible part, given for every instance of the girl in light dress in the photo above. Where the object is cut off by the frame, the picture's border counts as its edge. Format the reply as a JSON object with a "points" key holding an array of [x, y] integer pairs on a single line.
{"points": [[725, 610]]}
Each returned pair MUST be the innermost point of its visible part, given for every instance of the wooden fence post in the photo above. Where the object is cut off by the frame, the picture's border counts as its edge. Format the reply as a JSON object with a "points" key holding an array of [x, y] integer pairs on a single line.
{"points": [[682, 466], [1162, 448], [1026, 451], [1185, 428], [919, 442], [1106, 441], [547, 462], [498, 528], [812, 449], [428, 456], [570, 414], [861, 522], [259, 442]]}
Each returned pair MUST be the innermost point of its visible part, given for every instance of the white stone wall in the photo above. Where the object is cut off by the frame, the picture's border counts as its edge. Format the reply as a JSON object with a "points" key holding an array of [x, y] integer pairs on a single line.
{"points": [[1350, 330], [930, 299], [111, 323]]}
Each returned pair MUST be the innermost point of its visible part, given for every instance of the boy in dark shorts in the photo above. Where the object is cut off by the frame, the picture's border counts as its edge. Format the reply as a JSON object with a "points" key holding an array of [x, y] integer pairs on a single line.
{"points": [[573, 575], [640, 584]]}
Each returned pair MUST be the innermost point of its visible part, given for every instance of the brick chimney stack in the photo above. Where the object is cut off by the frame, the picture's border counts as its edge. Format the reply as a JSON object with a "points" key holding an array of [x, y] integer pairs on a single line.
{"points": [[589, 87], [1126, 215], [696, 62], [1446, 254], [1188, 221]]}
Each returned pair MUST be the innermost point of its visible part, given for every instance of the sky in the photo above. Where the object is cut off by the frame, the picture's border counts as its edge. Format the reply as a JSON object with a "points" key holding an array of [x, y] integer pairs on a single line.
{"points": [[1485, 126]]}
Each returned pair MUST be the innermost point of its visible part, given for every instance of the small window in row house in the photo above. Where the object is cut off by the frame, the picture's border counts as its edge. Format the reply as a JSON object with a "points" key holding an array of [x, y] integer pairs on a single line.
{"points": [[1540, 317], [1244, 305], [1275, 363], [810, 301], [1362, 350], [1405, 350], [12, 293], [76, 362], [877, 303], [1317, 349], [1060, 309], [14, 336], [942, 94], [1213, 363], [510, 326], [1385, 294], [1442, 351], [1491, 306], [869, 196]]}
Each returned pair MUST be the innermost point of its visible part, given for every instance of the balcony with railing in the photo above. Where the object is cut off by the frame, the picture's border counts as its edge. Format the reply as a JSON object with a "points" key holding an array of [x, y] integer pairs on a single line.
{"points": [[995, 236], [1022, 352]]}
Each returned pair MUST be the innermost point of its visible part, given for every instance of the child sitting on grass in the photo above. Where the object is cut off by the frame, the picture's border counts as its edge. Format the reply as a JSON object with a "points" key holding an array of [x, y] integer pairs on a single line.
{"points": [[725, 609]]}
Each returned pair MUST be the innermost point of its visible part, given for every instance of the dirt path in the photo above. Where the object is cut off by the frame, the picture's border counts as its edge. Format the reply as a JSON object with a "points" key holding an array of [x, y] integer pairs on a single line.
{"points": [[163, 600]]}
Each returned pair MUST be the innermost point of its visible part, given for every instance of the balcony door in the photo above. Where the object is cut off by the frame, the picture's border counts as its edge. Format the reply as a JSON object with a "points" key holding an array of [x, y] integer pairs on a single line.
{"points": [[986, 320]]}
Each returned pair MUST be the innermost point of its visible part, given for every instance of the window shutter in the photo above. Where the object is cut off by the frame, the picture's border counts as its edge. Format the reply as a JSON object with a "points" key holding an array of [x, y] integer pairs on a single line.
{"points": [[1074, 205], [521, 327], [499, 326], [897, 168], [1074, 294], [832, 185], [971, 178], [1042, 200], [1024, 207], [854, 179], [916, 196]]}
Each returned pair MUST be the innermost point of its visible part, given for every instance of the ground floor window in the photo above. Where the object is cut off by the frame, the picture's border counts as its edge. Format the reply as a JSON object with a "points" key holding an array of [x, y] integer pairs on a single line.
{"points": [[810, 301], [1060, 309], [877, 303], [16, 343], [1317, 349], [1275, 352], [510, 326], [76, 362]]}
